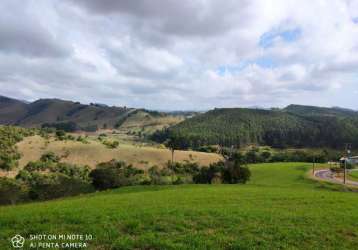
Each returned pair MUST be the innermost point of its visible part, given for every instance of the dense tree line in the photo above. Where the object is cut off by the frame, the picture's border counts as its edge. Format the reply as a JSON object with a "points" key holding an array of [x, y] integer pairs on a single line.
{"points": [[48, 178], [276, 128]]}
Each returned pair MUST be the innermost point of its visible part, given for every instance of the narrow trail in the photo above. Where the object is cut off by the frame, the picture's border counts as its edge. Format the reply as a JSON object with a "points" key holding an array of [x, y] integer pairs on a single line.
{"points": [[328, 175]]}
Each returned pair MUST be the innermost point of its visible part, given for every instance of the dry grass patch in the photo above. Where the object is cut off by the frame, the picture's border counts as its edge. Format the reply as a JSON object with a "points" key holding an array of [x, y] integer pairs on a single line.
{"points": [[95, 152]]}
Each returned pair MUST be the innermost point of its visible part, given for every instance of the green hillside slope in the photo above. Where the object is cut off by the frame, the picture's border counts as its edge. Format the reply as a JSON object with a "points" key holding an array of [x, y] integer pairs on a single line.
{"points": [[278, 209], [295, 126]]}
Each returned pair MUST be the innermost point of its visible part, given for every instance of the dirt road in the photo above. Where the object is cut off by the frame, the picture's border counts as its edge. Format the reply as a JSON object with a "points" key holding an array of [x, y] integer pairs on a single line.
{"points": [[328, 175]]}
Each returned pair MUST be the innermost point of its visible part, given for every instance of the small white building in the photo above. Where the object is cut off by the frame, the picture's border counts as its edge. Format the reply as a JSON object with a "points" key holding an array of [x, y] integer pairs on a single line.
{"points": [[350, 160]]}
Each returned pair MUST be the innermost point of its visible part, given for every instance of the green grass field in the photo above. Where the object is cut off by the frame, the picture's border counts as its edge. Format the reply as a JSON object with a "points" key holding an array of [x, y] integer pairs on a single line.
{"points": [[279, 209], [353, 175]]}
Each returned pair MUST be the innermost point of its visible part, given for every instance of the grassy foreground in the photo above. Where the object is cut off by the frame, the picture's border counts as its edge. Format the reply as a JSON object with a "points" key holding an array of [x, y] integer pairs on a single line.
{"points": [[278, 209]]}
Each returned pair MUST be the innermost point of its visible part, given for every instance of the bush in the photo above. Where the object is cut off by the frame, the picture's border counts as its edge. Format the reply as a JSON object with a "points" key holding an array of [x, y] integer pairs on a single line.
{"points": [[252, 157], [50, 157], [61, 126], [265, 156], [229, 172], [208, 149], [203, 176], [48, 179], [183, 168], [111, 144], [73, 171], [38, 166], [56, 185], [60, 134], [114, 174], [234, 173], [9, 160], [159, 176], [11, 191], [82, 139]]}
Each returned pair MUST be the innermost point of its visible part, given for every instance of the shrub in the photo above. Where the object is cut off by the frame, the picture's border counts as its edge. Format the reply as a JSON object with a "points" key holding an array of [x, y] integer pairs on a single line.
{"points": [[223, 172], [265, 156], [50, 157], [203, 176], [234, 173], [183, 168], [9, 160], [82, 139], [60, 134], [38, 166], [61, 126], [113, 174], [160, 176], [73, 171], [11, 191], [56, 185], [111, 144], [252, 157]]}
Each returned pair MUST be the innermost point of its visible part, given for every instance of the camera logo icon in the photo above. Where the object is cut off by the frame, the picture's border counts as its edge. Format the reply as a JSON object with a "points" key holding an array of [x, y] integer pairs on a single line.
{"points": [[18, 241]]}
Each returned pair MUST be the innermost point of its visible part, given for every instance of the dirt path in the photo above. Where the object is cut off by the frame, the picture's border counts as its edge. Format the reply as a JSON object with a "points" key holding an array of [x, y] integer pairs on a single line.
{"points": [[328, 175]]}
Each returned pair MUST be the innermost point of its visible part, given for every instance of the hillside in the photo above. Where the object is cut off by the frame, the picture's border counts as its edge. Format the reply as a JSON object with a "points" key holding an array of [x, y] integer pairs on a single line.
{"points": [[277, 209], [77, 116], [294, 126], [94, 152], [11, 110], [14, 112], [146, 122]]}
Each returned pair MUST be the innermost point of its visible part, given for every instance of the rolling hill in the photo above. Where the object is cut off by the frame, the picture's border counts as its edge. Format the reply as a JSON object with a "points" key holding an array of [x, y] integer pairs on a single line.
{"points": [[293, 126], [15, 112], [77, 116]]}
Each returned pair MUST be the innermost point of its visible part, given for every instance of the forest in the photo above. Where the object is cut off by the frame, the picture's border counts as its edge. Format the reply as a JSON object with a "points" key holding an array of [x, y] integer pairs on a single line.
{"points": [[295, 126]]}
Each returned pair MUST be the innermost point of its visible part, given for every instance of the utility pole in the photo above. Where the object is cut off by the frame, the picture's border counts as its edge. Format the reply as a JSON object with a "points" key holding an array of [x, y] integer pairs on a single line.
{"points": [[348, 150]]}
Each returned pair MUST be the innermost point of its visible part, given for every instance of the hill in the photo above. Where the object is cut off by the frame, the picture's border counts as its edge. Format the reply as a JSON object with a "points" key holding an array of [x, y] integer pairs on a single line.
{"points": [[320, 111], [94, 152], [72, 116], [278, 209], [294, 126], [11, 110]]}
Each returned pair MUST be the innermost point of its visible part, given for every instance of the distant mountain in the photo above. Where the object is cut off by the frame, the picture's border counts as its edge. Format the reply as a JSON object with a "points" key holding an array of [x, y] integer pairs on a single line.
{"points": [[11, 110], [55, 111], [293, 126], [76, 116]]}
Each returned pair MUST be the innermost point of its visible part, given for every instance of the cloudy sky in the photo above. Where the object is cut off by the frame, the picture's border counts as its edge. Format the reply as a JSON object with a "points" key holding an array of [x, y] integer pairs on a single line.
{"points": [[170, 55]]}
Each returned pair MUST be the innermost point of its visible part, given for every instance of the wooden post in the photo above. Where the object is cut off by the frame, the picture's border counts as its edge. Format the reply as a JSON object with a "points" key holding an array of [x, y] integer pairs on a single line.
{"points": [[172, 155], [313, 165], [345, 170]]}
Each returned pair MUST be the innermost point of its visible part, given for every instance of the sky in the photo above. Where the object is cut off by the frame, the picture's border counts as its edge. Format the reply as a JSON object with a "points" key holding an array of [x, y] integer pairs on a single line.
{"points": [[181, 55]]}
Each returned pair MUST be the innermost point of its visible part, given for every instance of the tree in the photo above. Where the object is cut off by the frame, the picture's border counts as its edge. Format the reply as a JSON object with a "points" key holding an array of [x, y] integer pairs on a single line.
{"points": [[173, 144], [11, 191], [113, 174], [234, 173]]}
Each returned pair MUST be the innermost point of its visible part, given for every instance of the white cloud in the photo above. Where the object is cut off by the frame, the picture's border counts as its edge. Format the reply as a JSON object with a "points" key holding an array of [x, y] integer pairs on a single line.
{"points": [[166, 54]]}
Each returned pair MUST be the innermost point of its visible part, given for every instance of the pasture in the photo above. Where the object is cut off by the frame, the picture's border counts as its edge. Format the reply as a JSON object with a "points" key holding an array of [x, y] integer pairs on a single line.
{"points": [[280, 208]]}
